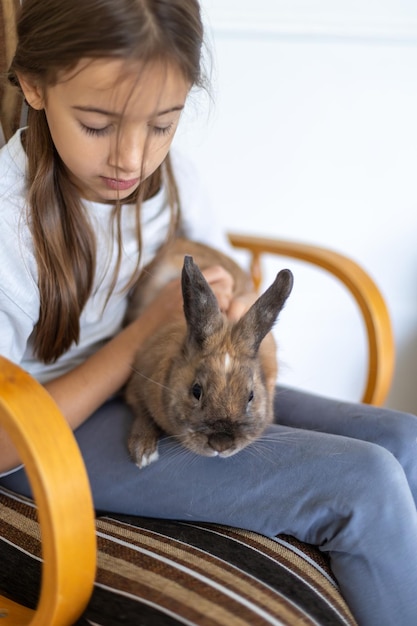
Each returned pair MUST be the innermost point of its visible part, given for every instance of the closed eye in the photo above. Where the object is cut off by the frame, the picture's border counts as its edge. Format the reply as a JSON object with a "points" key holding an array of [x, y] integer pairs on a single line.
{"points": [[162, 130], [96, 131]]}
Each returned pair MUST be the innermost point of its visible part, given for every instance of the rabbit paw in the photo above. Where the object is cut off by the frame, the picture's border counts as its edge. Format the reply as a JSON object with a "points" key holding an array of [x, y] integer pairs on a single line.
{"points": [[143, 453]]}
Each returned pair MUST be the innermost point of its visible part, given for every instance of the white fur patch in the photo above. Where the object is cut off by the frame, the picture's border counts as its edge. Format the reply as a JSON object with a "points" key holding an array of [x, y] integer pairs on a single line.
{"points": [[227, 362], [147, 459]]}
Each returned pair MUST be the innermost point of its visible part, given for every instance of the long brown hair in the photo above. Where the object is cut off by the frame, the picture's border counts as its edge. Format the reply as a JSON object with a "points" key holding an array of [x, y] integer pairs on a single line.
{"points": [[53, 35]]}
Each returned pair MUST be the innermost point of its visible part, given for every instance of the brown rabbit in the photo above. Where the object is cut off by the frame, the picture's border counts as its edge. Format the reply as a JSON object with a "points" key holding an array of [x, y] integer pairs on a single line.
{"points": [[204, 379]]}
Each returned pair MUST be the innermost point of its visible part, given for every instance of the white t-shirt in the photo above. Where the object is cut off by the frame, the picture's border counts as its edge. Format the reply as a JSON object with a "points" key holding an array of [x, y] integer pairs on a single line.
{"points": [[19, 295]]}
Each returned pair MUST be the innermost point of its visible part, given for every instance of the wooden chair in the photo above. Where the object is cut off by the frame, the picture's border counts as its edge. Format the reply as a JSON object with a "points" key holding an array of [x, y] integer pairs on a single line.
{"points": [[47, 447]]}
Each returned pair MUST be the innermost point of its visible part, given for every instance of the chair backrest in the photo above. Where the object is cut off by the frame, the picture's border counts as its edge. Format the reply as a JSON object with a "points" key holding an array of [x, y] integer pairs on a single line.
{"points": [[10, 99]]}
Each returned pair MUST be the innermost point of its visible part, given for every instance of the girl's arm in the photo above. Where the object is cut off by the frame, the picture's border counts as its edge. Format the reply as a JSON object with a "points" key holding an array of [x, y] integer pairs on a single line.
{"points": [[81, 391]]}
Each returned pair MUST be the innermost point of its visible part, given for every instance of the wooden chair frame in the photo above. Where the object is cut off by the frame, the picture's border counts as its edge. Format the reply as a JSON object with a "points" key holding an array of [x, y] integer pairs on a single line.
{"points": [[372, 306]]}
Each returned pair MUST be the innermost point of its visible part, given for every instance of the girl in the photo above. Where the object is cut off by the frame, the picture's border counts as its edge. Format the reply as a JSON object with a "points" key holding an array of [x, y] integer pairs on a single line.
{"points": [[88, 193]]}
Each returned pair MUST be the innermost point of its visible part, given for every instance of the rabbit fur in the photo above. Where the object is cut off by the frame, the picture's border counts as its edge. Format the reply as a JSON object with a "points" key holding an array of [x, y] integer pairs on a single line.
{"points": [[203, 379]]}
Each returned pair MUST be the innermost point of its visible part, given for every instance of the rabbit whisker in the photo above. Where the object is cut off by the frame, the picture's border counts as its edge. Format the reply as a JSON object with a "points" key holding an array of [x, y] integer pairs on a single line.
{"points": [[257, 451], [267, 441], [183, 458], [261, 448], [151, 380]]}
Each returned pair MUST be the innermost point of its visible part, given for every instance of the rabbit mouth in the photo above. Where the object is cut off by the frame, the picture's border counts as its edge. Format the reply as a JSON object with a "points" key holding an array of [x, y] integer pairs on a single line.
{"points": [[208, 450], [222, 443], [226, 453], [220, 437], [217, 444]]}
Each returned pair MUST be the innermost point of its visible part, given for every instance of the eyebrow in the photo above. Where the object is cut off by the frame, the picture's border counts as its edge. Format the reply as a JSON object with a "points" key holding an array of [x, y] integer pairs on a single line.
{"points": [[89, 109]]}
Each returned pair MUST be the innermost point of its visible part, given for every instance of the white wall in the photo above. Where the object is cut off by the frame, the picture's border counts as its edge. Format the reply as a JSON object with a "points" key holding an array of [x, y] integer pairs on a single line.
{"points": [[313, 136]]}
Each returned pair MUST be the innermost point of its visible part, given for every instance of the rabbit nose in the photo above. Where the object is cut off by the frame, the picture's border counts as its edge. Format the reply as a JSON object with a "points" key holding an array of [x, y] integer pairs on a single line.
{"points": [[220, 441]]}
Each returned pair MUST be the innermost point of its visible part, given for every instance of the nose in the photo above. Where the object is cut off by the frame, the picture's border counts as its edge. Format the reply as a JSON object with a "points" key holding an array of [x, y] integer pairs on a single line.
{"points": [[222, 435], [220, 442], [127, 152]]}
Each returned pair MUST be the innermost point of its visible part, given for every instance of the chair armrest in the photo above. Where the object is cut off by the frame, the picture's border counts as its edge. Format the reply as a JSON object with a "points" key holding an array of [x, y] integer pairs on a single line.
{"points": [[381, 349], [61, 491]]}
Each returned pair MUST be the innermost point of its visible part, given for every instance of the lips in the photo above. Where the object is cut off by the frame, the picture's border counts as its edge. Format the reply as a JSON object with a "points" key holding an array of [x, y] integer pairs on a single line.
{"points": [[118, 184]]}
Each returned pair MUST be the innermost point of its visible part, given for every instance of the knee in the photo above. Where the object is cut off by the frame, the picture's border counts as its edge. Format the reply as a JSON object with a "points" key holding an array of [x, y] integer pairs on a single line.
{"points": [[374, 497], [376, 478], [398, 433], [402, 442], [382, 471], [399, 430]]}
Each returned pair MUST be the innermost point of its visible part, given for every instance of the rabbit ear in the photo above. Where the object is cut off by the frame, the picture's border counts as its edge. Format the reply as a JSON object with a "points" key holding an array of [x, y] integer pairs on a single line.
{"points": [[256, 323], [201, 309]]}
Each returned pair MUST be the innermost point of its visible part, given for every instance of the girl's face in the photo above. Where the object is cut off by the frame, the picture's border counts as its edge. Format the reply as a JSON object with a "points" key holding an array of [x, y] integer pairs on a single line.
{"points": [[111, 124]]}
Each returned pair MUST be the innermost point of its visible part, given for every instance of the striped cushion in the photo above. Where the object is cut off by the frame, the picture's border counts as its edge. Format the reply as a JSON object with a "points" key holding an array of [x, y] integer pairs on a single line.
{"points": [[165, 573]]}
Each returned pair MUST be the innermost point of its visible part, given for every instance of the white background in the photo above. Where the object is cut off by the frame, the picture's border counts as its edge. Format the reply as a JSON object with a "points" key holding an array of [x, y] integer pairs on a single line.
{"points": [[311, 135]]}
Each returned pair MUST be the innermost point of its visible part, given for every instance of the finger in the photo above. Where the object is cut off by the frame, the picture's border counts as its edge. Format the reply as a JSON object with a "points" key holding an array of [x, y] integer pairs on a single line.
{"points": [[217, 274], [238, 306]]}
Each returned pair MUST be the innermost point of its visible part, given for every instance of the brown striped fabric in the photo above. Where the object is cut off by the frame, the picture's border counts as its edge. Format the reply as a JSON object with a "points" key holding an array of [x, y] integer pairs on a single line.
{"points": [[10, 99], [166, 573]]}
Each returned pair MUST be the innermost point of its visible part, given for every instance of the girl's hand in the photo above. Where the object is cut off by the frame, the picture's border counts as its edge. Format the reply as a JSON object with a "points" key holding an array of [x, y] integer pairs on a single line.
{"points": [[221, 283], [240, 305], [168, 303]]}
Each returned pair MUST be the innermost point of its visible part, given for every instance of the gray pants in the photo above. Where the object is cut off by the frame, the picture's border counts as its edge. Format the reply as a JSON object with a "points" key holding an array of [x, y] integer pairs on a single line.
{"points": [[338, 475]]}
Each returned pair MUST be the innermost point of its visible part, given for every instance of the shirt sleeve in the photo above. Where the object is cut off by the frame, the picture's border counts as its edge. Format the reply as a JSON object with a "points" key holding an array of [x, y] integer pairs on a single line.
{"points": [[199, 218], [19, 294], [19, 308], [15, 329]]}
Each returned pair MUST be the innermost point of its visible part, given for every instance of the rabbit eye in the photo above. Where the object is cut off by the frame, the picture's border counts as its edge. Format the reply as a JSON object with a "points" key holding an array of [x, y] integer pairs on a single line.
{"points": [[250, 397], [196, 391]]}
